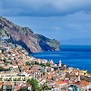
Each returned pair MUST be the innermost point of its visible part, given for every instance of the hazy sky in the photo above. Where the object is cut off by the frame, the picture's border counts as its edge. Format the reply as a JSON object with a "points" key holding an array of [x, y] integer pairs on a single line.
{"points": [[64, 20]]}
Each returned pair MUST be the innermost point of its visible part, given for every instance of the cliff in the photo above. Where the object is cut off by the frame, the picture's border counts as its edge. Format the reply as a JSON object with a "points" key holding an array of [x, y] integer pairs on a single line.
{"points": [[26, 38]]}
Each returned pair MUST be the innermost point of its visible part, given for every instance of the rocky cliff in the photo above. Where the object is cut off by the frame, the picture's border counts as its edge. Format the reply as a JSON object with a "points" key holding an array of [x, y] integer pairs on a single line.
{"points": [[26, 38]]}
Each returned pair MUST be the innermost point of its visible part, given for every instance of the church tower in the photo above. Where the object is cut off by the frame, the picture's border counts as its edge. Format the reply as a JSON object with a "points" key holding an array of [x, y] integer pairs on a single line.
{"points": [[79, 79], [60, 63]]}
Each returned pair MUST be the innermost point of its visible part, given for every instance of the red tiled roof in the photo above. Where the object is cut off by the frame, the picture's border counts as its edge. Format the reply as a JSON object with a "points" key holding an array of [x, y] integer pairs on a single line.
{"points": [[0, 83], [60, 82]]}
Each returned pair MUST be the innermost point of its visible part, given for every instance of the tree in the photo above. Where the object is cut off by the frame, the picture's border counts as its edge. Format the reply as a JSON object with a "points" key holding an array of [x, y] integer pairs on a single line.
{"points": [[45, 87], [0, 89], [28, 63], [34, 84], [32, 63], [23, 89], [48, 64], [43, 73]]}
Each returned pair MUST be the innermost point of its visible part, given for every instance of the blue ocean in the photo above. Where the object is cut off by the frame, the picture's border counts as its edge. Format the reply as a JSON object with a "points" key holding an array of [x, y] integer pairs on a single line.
{"points": [[76, 56]]}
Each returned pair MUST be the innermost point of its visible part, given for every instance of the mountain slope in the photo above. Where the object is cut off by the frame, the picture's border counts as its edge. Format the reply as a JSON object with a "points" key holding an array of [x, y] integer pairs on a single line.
{"points": [[26, 38], [47, 44]]}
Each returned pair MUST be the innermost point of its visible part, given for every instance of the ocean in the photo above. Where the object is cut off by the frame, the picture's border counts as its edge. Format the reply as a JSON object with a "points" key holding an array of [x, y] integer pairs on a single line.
{"points": [[77, 56]]}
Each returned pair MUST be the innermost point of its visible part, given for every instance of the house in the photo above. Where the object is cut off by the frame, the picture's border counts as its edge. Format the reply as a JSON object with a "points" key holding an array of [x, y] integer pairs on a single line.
{"points": [[84, 72], [8, 86], [73, 88], [82, 85], [0, 84], [61, 83]]}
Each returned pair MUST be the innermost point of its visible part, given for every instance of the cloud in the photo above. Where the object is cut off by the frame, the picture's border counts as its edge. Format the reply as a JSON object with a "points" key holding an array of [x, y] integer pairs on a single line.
{"points": [[59, 19], [72, 26], [43, 7]]}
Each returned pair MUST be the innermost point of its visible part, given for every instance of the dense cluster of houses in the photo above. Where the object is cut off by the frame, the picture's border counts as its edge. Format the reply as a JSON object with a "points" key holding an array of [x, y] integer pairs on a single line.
{"points": [[16, 67]]}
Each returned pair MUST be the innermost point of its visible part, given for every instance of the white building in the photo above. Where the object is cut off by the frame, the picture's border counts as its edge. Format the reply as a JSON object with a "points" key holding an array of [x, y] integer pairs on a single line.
{"points": [[60, 63]]}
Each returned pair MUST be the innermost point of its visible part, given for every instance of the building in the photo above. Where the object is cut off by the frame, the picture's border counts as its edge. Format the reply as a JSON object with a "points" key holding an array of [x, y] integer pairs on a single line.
{"points": [[60, 63], [8, 86], [73, 88]]}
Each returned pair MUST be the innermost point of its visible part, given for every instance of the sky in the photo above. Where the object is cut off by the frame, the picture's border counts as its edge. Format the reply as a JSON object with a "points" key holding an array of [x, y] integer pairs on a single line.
{"points": [[64, 20]]}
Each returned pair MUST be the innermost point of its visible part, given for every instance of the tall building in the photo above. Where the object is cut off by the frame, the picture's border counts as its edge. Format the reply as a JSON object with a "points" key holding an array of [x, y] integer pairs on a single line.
{"points": [[60, 63], [79, 79]]}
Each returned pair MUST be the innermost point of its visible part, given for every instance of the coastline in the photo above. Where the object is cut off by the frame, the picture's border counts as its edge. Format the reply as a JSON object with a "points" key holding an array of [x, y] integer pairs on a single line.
{"points": [[18, 68], [75, 59]]}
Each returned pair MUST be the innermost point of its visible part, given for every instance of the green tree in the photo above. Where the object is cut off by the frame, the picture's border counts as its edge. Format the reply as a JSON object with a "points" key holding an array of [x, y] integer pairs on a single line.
{"points": [[48, 64], [32, 63], [0, 89], [23, 89], [28, 63], [34, 84], [45, 87], [43, 73]]}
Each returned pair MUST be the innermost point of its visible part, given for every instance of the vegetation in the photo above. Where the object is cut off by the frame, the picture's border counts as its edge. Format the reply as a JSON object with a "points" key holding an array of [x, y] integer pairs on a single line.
{"points": [[28, 63], [3, 50], [37, 63], [3, 69], [68, 75], [86, 78], [34, 84], [43, 64], [24, 89], [9, 29], [48, 64], [44, 87], [32, 63], [0, 89]]}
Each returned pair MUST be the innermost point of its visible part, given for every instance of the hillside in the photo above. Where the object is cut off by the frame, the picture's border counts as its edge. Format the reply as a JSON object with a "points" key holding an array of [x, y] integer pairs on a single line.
{"points": [[26, 38]]}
